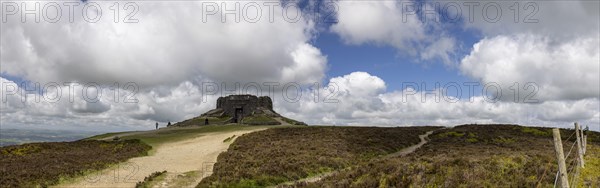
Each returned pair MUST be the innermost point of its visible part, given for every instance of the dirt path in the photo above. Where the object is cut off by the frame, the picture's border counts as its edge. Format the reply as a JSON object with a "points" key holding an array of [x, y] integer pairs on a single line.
{"points": [[197, 154], [403, 152]]}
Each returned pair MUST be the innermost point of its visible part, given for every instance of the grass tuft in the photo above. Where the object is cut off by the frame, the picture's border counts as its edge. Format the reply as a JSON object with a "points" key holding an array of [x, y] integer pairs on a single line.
{"points": [[149, 180], [229, 139]]}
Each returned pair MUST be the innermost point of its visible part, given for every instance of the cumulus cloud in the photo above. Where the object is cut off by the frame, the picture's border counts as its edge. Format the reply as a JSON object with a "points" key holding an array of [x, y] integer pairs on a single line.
{"points": [[561, 71], [358, 98], [389, 23], [172, 51], [551, 44], [81, 103], [363, 100], [562, 20], [167, 55], [173, 42]]}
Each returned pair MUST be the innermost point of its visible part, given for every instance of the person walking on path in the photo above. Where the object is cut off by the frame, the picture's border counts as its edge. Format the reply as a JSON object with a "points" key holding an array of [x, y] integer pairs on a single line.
{"points": [[156, 125]]}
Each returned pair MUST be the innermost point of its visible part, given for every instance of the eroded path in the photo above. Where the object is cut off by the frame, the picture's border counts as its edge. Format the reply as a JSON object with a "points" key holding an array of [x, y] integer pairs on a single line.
{"points": [[403, 152], [193, 158]]}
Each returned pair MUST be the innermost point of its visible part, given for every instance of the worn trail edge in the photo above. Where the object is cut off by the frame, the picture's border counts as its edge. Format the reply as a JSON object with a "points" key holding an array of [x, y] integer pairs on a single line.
{"points": [[403, 152], [197, 154]]}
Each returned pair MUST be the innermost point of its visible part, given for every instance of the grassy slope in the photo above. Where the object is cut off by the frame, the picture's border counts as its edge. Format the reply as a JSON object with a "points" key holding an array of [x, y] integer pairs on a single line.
{"points": [[201, 120], [274, 156], [63, 161], [40, 164], [468, 156], [260, 120], [590, 175], [106, 135], [155, 138]]}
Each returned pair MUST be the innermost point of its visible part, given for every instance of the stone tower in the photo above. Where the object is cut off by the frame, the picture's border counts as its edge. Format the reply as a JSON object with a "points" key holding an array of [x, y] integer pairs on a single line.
{"points": [[240, 106], [241, 109]]}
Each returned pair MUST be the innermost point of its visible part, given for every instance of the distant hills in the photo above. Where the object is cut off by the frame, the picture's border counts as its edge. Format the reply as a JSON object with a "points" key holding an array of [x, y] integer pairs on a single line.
{"points": [[20, 136]]}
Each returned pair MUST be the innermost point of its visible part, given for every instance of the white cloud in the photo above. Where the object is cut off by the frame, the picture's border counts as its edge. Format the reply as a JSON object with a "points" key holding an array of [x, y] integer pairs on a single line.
{"points": [[308, 67], [70, 104], [364, 101], [360, 99], [168, 54], [170, 45], [378, 22], [359, 84], [559, 53], [171, 51], [563, 20], [562, 70], [386, 23]]}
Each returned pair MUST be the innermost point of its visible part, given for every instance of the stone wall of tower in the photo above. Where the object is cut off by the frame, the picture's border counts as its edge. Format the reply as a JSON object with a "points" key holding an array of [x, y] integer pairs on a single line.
{"points": [[248, 103]]}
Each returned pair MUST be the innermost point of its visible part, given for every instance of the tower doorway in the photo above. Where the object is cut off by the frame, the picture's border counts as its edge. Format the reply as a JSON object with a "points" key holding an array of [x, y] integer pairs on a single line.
{"points": [[238, 115]]}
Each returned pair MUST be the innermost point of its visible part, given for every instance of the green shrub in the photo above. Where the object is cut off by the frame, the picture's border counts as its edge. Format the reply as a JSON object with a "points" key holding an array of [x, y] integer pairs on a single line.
{"points": [[229, 139], [451, 134], [148, 179], [472, 140], [535, 131]]}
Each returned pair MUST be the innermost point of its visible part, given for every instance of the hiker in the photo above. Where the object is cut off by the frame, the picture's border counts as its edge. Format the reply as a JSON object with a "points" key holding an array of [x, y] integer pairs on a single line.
{"points": [[205, 121], [169, 124], [156, 125]]}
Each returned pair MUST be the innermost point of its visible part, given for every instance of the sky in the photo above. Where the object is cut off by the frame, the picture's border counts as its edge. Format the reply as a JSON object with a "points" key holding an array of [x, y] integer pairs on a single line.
{"points": [[116, 65]]}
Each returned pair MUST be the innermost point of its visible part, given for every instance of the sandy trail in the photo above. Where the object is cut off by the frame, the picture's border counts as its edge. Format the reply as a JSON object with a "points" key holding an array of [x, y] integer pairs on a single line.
{"points": [[197, 154]]}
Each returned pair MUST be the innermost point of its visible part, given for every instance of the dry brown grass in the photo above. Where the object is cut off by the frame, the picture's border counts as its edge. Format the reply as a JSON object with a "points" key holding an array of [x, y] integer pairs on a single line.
{"points": [[465, 156], [42, 164], [278, 155]]}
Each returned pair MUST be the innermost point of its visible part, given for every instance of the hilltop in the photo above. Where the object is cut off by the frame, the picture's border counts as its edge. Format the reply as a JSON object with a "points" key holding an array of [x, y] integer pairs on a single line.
{"points": [[241, 109]]}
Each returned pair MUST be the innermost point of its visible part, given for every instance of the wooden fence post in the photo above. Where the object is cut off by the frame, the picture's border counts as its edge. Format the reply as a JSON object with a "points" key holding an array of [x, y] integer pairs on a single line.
{"points": [[584, 140], [560, 156], [584, 144], [579, 146]]}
